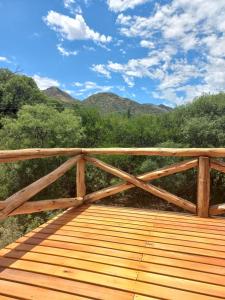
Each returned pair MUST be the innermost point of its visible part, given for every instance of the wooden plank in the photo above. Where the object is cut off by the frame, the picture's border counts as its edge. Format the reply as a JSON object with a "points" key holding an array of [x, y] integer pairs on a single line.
{"points": [[26, 193], [147, 187], [203, 197], [117, 245], [80, 178], [71, 263], [95, 236], [152, 236], [43, 205], [106, 236], [148, 213], [63, 285], [184, 152], [140, 297], [160, 226], [138, 287], [198, 274], [25, 154], [128, 232], [194, 227], [89, 241], [163, 292], [149, 219], [185, 262], [30, 292], [2, 297], [80, 247], [188, 285], [186, 249], [117, 188]]}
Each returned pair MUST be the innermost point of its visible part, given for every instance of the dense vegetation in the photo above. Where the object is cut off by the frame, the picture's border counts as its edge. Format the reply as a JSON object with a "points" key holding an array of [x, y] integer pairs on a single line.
{"points": [[29, 119]]}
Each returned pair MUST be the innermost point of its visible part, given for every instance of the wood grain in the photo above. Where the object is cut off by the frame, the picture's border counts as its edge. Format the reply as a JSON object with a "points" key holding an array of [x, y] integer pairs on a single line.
{"points": [[203, 197]]}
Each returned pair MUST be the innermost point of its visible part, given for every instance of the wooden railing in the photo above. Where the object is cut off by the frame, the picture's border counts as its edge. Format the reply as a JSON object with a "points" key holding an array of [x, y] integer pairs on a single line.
{"points": [[202, 159]]}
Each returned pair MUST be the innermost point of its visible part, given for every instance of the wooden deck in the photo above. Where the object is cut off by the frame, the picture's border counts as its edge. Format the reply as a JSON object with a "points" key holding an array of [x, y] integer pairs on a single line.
{"points": [[97, 252]]}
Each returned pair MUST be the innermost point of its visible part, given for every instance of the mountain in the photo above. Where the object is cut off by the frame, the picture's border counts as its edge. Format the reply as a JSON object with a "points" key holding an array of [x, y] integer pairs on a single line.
{"points": [[61, 96], [107, 102]]}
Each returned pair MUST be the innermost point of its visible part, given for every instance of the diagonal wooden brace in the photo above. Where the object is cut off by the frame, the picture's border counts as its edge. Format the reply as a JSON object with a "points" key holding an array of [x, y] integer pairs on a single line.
{"points": [[138, 182]]}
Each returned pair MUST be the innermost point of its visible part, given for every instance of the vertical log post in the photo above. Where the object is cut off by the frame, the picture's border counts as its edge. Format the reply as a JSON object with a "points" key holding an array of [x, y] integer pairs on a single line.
{"points": [[203, 187], [80, 178]]}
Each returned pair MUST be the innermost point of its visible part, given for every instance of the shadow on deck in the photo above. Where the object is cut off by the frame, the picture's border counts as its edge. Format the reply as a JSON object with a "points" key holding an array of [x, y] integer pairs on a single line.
{"points": [[97, 252]]}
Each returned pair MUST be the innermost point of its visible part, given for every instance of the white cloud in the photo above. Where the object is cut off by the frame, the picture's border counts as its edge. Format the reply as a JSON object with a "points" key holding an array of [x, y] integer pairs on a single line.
{"points": [[73, 28], [101, 69], [142, 67], [147, 44], [121, 5], [4, 59], [90, 86], [65, 52], [73, 6], [45, 82]]}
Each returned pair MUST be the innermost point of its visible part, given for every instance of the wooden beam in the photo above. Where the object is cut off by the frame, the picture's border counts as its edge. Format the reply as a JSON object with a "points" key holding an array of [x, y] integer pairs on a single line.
{"points": [[185, 152], [203, 187], [80, 178], [26, 154], [169, 170], [217, 165], [26, 193], [141, 184], [117, 188], [217, 209], [43, 205]]}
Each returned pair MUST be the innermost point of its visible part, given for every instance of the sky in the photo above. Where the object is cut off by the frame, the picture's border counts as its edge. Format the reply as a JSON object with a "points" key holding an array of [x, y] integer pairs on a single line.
{"points": [[162, 51]]}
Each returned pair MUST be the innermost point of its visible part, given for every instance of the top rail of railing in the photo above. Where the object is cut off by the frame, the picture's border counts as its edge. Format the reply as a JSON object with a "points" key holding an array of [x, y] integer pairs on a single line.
{"points": [[26, 154]]}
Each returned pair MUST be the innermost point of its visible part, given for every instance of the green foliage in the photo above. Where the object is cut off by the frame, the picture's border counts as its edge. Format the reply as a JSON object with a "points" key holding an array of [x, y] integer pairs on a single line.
{"points": [[17, 90]]}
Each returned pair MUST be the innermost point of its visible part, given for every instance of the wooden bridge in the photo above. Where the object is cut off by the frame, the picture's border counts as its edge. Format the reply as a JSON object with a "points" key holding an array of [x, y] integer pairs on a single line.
{"points": [[101, 252]]}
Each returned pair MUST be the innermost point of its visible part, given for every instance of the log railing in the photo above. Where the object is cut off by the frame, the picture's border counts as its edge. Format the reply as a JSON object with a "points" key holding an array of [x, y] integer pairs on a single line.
{"points": [[202, 159]]}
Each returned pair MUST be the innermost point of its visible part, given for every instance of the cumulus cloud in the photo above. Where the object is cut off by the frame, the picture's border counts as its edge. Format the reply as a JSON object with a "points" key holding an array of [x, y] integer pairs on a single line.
{"points": [[45, 82], [65, 52], [121, 5], [73, 28]]}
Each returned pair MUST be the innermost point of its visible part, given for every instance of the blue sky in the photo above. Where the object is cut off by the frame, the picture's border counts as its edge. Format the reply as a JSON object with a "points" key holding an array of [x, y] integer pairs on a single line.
{"points": [[167, 51]]}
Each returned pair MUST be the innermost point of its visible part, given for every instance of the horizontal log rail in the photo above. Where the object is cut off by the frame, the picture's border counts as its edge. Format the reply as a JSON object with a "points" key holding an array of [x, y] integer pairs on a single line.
{"points": [[200, 158]]}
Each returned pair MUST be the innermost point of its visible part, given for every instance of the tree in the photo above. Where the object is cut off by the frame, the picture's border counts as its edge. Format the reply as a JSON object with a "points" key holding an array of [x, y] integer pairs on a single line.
{"points": [[38, 126], [17, 90]]}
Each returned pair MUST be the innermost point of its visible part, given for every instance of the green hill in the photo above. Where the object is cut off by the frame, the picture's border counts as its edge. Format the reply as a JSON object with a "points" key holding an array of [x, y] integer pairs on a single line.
{"points": [[61, 96], [108, 102]]}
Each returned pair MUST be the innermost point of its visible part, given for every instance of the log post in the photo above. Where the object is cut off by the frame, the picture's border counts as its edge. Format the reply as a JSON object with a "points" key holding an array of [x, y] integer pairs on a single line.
{"points": [[203, 187], [80, 178]]}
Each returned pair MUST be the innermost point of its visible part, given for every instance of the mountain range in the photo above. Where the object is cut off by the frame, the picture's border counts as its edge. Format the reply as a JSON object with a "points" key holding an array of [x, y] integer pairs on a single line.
{"points": [[107, 103]]}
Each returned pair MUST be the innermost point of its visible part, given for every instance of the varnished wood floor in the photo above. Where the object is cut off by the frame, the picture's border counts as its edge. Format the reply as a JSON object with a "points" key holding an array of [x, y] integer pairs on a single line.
{"points": [[108, 253]]}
